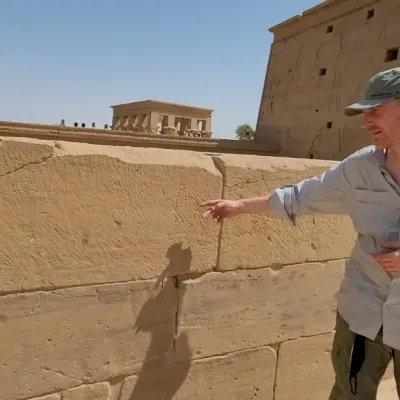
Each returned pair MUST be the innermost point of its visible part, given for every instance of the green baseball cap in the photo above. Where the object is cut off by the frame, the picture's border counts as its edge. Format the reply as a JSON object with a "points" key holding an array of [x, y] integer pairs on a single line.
{"points": [[379, 89]]}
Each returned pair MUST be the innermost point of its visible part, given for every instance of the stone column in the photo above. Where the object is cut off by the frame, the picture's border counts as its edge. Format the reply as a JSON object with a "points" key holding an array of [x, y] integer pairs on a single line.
{"points": [[171, 121], [208, 125], [193, 124], [152, 122], [116, 122]]}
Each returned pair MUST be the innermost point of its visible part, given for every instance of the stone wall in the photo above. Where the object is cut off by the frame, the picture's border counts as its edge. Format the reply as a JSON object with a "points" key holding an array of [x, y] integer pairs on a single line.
{"points": [[123, 138], [319, 63], [115, 288]]}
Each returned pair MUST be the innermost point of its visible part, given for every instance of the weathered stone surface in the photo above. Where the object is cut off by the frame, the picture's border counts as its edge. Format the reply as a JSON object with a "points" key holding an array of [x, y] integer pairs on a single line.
{"points": [[258, 241], [115, 388], [93, 214], [97, 391], [128, 387], [13, 156], [49, 397], [304, 369], [242, 375], [223, 312], [62, 339]]}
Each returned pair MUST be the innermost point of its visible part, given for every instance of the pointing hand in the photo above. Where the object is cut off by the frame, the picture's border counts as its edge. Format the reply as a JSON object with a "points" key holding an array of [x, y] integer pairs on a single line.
{"points": [[221, 209]]}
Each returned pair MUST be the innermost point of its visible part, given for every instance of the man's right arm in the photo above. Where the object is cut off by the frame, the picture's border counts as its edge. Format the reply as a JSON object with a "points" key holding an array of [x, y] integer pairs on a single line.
{"points": [[254, 205], [222, 208], [322, 194]]}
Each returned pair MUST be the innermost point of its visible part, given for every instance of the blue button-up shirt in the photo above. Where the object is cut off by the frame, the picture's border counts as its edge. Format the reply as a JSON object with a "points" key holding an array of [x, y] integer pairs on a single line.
{"points": [[361, 187]]}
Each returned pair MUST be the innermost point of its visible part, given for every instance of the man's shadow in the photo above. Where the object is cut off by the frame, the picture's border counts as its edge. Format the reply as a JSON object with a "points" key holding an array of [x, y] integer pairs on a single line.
{"points": [[160, 377]]}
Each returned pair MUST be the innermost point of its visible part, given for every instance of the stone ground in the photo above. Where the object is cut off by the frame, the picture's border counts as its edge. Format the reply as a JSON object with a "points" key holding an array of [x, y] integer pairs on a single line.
{"points": [[387, 390]]}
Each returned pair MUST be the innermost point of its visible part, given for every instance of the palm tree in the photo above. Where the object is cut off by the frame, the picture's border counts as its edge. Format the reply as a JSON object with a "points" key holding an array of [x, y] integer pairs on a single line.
{"points": [[244, 132]]}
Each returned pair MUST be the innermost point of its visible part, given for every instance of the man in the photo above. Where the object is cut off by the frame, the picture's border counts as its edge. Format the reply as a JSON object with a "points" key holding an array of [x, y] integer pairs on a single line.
{"points": [[366, 186]]}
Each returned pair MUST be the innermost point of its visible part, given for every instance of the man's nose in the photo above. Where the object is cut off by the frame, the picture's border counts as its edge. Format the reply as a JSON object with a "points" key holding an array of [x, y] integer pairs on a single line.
{"points": [[367, 122]]}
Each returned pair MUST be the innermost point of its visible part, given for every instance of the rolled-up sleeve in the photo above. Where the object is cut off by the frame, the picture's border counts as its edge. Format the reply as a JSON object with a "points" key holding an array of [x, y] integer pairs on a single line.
{"points": [[322, 194]]}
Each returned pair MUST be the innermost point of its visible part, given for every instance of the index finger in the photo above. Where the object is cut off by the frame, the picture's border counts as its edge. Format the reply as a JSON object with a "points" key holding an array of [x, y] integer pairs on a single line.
{"points": [[210, 203]]}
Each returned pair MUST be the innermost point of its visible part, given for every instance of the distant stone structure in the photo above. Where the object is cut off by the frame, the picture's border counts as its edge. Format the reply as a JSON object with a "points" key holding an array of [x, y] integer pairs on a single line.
{"points": [[110, 137], [319, 63], [153, 116]]}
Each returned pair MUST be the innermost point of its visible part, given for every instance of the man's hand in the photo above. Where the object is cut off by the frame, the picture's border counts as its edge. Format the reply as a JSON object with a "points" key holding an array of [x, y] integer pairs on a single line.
{"points": [[221, 209], [390, 262]]}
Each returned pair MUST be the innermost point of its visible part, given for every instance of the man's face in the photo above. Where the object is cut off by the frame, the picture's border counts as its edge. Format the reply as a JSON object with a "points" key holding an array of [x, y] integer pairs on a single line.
{"points": [[383, 124]]}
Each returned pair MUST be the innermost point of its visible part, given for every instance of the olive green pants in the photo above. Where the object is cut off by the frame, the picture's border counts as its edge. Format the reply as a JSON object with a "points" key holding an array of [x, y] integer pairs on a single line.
{"points": [[377, 359]]}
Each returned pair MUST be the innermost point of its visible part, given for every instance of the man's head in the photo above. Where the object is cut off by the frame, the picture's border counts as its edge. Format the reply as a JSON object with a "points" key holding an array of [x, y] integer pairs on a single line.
{"points": [[381, 108]]}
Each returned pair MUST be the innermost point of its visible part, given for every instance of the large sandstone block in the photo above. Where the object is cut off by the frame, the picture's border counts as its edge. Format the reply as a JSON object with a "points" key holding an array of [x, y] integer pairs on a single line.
{"points": [[243, 375], [258, 241], [74, 213], [304, 369], [53, 341], [224, 312]]}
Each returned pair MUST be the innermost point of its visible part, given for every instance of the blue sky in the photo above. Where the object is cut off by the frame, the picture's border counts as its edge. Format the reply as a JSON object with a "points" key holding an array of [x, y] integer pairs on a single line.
{"points": [[72, 59]]}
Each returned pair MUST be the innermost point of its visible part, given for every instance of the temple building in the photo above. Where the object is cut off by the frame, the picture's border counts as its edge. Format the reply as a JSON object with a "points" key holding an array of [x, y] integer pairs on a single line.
{"points": [[320, 62], [158, 117]]}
